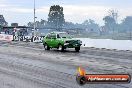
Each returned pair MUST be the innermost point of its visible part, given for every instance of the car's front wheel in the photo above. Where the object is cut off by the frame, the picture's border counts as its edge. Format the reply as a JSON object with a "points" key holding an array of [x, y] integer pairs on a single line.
{"points": [[77, 49], [60, 47], [46, 47]]}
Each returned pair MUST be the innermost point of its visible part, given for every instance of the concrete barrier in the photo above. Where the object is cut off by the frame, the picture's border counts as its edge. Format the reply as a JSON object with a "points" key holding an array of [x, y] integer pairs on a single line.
{"points": [[107, 43]]}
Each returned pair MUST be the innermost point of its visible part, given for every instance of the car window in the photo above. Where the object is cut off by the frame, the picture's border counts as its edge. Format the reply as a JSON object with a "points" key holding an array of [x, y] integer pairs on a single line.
{"points": [[58, 36], [48, 36], [64, 35], [53, 35]]}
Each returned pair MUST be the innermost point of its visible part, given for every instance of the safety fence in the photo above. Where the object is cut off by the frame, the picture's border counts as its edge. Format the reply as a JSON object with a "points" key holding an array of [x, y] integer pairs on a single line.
{"points": [[21, 38]]}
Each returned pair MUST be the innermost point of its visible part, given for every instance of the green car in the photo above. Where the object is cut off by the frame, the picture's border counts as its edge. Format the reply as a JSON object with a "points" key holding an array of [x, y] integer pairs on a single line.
{"points": [[61, 41]]}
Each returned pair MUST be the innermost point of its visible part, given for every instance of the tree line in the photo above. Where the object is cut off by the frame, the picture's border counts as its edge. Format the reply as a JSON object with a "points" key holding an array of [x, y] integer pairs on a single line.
{"points": [[56, 20]]}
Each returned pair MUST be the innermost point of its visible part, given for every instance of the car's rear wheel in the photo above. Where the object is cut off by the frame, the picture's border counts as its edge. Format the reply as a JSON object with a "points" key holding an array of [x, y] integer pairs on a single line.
{"points": [[60, 47], [77, 49], [46, 47]]}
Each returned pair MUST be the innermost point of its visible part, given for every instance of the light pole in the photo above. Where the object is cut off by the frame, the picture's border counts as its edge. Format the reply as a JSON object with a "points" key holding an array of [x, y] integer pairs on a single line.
{"points": [[34, 26], [34, 16]]}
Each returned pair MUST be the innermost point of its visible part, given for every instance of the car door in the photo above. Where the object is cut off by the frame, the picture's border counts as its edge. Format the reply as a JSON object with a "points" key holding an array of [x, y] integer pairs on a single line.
{"points": [[48, 40], [54, 42]]}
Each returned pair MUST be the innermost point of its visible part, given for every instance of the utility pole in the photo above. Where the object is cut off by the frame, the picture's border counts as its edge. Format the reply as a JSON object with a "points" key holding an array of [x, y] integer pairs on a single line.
{"points": [[34, 26], [34, 16]]}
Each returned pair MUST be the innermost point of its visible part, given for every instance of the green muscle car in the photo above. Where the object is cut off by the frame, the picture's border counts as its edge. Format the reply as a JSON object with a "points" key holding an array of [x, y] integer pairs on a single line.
{"points": [[61, 41]]}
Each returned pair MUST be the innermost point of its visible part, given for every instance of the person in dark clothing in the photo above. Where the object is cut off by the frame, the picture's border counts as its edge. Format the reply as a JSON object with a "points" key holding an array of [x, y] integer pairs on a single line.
{"points": [[13, 33], [5, 30]]}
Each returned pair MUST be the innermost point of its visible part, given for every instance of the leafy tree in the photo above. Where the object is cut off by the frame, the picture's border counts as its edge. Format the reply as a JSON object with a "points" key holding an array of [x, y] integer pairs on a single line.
{"points": [[127, 25], [56, 17], [43, 22], [111, 21], [90, 25], [2, 21], [113, 14], [30, 24], [69, 25]]}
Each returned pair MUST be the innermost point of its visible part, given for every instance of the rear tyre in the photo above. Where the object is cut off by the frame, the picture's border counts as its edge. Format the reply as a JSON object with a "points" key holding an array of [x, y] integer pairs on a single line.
{"points": [[46, 47], [77, 49], [61, 48]]}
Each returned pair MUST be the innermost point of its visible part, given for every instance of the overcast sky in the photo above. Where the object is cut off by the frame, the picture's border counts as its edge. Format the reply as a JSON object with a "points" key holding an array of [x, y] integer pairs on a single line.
{"points": [[76, 11]]}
